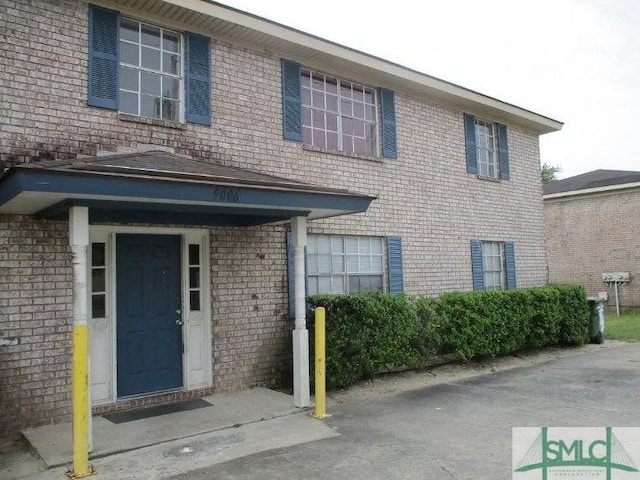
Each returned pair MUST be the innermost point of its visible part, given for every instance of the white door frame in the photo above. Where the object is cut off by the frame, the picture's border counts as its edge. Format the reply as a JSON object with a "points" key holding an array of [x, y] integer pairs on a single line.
{"points": [[197, 354]]}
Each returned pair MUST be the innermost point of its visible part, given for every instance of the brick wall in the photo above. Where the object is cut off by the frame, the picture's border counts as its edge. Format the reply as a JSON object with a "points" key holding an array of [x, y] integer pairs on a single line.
{"points": [[426, 196], [251, 326], [35, 307], [587, 236]]}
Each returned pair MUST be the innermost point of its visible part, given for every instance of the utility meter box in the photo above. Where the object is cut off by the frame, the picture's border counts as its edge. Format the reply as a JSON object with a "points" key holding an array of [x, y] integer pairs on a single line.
{"points": [[615, 277]]}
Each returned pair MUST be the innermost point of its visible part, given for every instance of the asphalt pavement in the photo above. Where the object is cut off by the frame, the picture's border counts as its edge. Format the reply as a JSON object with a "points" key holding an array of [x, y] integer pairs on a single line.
{"points": [[457, 430], [454, 422]]}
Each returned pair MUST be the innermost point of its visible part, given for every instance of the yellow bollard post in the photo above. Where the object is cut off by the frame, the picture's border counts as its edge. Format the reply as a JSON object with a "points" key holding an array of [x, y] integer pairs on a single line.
{"points": [[320, 380], [80, 388]]}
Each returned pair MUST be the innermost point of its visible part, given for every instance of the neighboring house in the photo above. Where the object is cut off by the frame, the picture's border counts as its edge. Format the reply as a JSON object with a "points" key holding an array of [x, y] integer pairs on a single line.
{"points": [[593, 224], [174, 144]]}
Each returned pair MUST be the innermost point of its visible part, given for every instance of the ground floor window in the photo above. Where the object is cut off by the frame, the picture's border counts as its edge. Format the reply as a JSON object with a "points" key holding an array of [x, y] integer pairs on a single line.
{"points": [[493, 265], [344, 264]]}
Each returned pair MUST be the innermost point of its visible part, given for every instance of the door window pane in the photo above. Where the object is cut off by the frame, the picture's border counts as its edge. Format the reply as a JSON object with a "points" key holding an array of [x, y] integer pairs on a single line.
{"points": [[194, 301], [98, 279], [194, 277], [97, 254], [194, 254]]}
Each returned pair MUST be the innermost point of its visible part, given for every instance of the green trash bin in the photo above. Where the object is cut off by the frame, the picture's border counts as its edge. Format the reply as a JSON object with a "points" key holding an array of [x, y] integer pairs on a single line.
{"points": [[596, 319]]}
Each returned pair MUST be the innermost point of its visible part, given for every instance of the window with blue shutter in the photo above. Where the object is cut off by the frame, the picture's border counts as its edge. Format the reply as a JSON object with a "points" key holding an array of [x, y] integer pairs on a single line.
{"points": [[330, 113], [137, 68], [198, 81], [103, 57], [291, 106], [493, 265], [394, 265], [486, 148], [388, 115]]}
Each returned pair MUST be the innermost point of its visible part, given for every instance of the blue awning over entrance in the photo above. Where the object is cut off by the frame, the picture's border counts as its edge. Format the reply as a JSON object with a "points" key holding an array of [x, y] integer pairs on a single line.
{"points": [[163, 188]]}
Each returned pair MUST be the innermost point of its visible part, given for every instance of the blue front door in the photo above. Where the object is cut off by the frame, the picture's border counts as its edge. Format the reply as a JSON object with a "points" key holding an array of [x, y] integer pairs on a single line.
{"points": [[148, 295]]}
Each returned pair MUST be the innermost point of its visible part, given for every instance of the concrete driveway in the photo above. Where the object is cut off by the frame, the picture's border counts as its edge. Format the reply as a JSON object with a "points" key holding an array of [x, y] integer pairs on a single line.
{"points": [[456, 429]]}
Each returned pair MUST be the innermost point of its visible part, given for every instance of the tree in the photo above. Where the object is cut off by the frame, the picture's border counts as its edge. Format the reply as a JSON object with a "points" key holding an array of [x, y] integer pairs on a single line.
{"points": [[549, 172]]}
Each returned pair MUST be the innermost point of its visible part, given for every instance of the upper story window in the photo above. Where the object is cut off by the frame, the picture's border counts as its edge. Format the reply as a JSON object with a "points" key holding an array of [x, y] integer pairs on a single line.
{"points": [[486, 141], [147, 70], [337, 114], [487, 151], [150, 71]]}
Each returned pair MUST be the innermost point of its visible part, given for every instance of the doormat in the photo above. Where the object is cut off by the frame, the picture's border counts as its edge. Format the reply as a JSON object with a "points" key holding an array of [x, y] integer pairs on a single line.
{"points": [[132, 415]]}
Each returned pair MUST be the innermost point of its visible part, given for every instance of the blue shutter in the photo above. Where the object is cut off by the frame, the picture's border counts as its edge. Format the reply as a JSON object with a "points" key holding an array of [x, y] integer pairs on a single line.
{"points": [[470, 143], [503, 151], [291, 103], [388, 115], [104, 25], [476, 265], [198, 79], [394, 265], [510, 265]]}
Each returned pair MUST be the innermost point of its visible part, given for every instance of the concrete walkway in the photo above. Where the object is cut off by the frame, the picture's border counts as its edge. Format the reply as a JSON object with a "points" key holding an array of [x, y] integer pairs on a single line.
{"points": [[54, 444], [221, 420]]}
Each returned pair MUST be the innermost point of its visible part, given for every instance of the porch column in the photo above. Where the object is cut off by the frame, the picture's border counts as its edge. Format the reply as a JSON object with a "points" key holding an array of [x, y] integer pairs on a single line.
{"points": [[79, 241], [300, 333]]}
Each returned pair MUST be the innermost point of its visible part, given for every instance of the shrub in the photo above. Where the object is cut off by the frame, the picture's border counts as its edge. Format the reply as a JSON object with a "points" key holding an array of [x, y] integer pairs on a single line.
{"points": [[372, 331], [366, 333]]}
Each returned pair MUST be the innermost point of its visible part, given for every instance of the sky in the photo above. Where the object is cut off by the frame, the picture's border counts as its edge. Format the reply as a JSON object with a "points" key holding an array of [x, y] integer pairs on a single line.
{"points": [[576, 61]]}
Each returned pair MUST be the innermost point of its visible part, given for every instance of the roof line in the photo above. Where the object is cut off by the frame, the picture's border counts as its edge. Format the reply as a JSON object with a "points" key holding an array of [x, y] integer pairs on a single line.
{"points": [[284, 32], [587, 191]]}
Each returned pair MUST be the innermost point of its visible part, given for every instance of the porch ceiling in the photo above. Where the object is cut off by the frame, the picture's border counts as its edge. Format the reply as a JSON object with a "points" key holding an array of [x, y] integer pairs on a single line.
{"points": [[162, 188]]}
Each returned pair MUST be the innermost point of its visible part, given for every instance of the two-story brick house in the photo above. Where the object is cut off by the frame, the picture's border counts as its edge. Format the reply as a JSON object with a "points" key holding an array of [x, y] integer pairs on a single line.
{"points": [[190, 143]]}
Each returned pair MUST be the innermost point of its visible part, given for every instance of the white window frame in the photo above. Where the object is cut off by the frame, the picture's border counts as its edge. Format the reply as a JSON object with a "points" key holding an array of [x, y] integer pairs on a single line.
{"points": [[487, 149], [493, 254], [342, 261], [139, 68], [309, 111]]}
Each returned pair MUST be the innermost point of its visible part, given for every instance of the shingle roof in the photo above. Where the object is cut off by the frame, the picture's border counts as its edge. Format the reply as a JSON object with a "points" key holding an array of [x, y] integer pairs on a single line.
{"points": [[161, 164], [595, 179]]}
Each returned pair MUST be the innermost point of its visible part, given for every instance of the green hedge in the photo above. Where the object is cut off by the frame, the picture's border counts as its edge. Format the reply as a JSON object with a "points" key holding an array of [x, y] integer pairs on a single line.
{"points": [[369, 332]]}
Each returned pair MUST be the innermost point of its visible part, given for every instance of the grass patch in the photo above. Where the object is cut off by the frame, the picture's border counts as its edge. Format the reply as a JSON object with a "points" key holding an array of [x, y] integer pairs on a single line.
{"points": [[625, 327]]}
